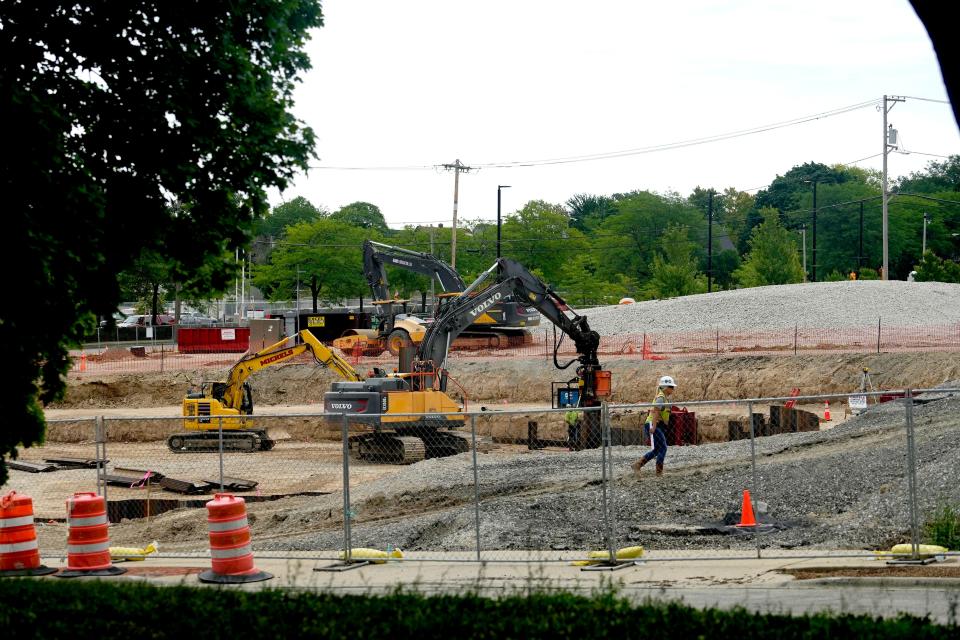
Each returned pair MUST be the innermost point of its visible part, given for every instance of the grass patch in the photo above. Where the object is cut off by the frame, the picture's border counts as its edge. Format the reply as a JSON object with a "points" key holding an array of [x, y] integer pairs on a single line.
{"points": [[943, 527]]}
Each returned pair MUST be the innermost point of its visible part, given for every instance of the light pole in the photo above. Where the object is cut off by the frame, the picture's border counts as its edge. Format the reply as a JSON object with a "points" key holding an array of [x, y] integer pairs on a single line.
{"points": [[803, 234], [926, 220], [813, 256], [499, 188]]}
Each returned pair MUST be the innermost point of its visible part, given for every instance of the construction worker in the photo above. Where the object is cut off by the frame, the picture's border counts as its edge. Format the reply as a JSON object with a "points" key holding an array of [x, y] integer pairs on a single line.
{"points": [[572, 418], [656, 425]]}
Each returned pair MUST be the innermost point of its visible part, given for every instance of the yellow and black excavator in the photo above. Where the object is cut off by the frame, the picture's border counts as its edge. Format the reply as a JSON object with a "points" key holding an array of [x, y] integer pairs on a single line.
{"points": [[229, 403], [382, 404]]}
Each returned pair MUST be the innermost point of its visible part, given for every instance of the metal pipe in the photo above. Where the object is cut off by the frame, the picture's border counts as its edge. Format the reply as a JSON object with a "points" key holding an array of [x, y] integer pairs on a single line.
{"points": [[476, 483], [220, 453], [347, 533], [912, 475], [753, 465]]}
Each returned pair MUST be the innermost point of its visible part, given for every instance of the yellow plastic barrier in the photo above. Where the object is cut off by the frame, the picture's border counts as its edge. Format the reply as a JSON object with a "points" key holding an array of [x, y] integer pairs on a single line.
{"points": [[375, 556], [923, 550], [596, 557], [119, 554]]}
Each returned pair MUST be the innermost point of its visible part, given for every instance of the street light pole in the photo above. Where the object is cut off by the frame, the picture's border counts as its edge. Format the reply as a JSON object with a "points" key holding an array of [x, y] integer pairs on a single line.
{"points": [[710, 243], [803, 234], [926, 219], [813, 257], [499, 188]]}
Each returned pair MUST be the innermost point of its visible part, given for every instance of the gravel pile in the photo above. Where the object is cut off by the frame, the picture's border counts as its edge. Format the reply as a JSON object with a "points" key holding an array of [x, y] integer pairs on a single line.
{"points": [[841, 488], [815, 305]]}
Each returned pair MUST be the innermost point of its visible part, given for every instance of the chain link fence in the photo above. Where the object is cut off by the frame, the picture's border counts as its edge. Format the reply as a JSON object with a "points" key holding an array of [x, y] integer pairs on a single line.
{"points": [[519, 485]]}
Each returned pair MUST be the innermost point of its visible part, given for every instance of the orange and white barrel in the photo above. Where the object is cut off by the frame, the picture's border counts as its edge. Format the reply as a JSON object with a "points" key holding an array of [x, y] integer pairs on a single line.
{"points": [[230, 551], [88, 542], [19, 550]]}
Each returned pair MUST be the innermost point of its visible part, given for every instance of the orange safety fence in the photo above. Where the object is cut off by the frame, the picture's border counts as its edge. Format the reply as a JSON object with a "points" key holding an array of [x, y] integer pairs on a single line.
{"points": [[648, 346]]}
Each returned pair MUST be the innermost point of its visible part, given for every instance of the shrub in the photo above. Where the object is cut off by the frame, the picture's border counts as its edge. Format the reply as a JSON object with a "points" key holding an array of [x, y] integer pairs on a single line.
{"points": [[943, 527]]}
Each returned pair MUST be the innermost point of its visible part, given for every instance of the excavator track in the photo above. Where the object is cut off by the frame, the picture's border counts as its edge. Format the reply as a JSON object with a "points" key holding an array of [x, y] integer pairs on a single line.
{"points": [[387, 448], [447, 443], [209, 442]]}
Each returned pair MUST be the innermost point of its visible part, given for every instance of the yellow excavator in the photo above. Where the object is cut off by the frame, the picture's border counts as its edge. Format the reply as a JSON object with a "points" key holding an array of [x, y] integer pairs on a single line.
{"points": [[229, 403]]}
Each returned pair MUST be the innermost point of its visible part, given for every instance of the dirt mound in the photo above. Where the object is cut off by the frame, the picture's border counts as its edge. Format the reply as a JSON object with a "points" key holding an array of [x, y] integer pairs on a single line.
{"points": [[528, 381]]}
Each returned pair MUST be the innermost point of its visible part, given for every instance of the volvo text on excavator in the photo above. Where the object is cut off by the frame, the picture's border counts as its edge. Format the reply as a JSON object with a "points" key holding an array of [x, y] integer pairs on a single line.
{"points": [[380, 403], [501, 324], [228, 404]]}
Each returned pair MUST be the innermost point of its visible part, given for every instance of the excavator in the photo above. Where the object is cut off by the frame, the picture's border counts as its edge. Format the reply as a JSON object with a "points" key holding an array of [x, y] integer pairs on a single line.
{"points": [[503, 323], [379, 404], [230, 402]]}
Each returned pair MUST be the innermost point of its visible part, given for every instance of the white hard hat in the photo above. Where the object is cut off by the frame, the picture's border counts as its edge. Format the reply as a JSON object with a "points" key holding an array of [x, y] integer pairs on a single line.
{"points": [[666, 381]]}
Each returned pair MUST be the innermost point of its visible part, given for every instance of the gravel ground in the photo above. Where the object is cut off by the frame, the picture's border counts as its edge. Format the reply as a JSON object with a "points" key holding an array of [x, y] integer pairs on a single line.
{"points": [[843, 487], [812, 305]]}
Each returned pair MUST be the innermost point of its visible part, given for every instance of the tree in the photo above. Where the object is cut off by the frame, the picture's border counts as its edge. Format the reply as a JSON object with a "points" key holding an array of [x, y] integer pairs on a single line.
{"points": [[116, 110], [935, 269], [282, 216], [675, 267], [587, 212], [773, 254], [326, 256], [725, 264], [363, 215], [938, 177], [629, 239], [540, 237]]}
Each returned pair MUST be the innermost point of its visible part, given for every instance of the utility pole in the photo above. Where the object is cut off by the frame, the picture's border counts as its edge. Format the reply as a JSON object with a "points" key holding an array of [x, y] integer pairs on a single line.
{"points": [[710, 242], [888, 143], [456, 167], [433, 299], [926, 219], [860, 250], [499, 188], [803, 234], [813, 258]]}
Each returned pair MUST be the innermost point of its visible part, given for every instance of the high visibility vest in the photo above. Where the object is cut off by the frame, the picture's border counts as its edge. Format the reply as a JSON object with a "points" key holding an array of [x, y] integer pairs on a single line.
{"points": [[665, 412]]}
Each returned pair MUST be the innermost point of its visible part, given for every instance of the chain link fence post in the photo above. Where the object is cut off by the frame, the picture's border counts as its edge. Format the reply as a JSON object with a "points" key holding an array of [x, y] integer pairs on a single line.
{"points": [[99, 436], [611, 510], [753, 465], [476, 482], [344, 428], [220, 451], [912, 475]]}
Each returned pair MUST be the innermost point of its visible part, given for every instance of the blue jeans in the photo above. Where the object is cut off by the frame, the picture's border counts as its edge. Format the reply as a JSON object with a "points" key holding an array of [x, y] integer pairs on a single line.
{"points": [[659, 450]]}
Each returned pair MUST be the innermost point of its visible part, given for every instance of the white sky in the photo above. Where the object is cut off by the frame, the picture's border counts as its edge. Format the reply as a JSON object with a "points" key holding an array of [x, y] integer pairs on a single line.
{"points": [[425, 82]]}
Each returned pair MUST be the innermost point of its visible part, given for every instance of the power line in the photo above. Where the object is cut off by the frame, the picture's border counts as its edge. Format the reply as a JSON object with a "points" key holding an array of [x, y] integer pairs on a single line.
{"points": [[625, 152]]}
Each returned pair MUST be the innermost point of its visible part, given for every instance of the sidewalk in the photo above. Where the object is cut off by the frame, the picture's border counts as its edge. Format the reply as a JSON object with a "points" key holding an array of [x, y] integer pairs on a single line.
{"points": [[734, 579]]}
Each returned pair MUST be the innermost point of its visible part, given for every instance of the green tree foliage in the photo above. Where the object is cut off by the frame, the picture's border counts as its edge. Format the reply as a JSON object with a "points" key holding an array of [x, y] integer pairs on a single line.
{"points": [[629, 239], [280, 217], [725, 264], [675, 267], [587, 212], [116, 109], [288, 214], [583, 287], [935, 269], [540, 237], [324, 257], [363, 215], [936, 178], [773, 254]]}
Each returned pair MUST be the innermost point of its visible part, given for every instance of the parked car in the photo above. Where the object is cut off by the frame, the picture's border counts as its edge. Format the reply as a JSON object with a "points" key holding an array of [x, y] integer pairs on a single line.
{"points": [[145, 320]]}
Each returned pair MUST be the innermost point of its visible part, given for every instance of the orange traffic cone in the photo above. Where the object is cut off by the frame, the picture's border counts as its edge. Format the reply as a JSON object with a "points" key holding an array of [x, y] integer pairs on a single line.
{"points": [[232, 558], [19, 552], [88, 542], [747, 518], [826, 412]]}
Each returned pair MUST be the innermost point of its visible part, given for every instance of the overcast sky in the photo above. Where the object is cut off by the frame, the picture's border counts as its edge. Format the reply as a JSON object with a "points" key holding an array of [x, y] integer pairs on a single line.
{"points": [[398, 88]]}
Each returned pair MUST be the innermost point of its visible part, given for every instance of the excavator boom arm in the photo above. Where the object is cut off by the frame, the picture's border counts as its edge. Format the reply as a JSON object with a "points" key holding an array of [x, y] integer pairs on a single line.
{"points": [[278, 353], [376, 256]]}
